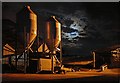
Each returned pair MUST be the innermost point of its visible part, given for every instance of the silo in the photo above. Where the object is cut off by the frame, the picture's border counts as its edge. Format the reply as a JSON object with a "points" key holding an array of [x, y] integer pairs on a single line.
{"points": [[52, 33], [26, 21], [52, 38]]}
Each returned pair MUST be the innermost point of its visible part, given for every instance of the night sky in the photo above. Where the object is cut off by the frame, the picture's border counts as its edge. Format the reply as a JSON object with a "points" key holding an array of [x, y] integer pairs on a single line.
{"points": [[86, 26]]}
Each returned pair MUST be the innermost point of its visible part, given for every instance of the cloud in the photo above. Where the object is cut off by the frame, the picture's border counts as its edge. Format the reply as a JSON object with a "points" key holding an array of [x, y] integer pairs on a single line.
{"points": [[70, 36], [75, 27]]}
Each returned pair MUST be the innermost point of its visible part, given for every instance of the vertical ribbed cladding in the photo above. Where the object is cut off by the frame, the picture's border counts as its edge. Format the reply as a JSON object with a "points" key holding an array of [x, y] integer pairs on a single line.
{"points": [[26, 21], [52, 33]]}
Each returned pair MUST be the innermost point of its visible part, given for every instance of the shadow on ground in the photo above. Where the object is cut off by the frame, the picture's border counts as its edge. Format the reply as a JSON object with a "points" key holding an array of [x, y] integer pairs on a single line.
{"points": [[94, 79]]}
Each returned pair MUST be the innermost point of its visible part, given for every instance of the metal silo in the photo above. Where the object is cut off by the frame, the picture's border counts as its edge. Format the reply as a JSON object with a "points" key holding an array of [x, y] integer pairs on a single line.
{"points": [[53, 38], [52, 33], [26, 21]]}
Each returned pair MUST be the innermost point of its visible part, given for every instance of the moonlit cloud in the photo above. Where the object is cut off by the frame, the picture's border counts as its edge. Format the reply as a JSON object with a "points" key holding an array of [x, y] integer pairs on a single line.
{"points": [[75, 26], [78, 23], [70, 36]]}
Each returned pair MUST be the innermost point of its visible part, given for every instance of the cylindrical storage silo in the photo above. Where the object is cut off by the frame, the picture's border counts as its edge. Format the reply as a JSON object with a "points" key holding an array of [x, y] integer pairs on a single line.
{"points": [[26, 21], [52, 33]]}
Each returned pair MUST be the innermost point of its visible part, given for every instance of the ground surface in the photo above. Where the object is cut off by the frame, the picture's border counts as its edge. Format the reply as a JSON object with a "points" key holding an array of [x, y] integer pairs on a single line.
{"points": [[89, 76]]}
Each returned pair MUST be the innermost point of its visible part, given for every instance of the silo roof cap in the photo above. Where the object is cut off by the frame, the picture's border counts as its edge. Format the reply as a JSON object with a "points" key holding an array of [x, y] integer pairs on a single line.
{"points": [[28, 6], [52, 18], [25, 9]]}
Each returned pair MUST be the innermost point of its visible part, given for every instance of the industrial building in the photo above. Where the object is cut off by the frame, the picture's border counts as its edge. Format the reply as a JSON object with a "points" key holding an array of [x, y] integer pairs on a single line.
{"points": [[29, 53], [109, 56]]}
